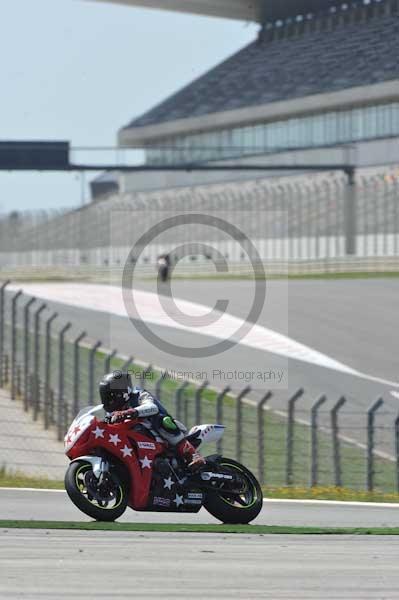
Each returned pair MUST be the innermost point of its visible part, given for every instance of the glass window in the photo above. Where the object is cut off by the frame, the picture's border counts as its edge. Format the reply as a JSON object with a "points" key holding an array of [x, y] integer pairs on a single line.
{"points": [[318, 131], [273, 136], [330, 127], [304, 132], [248, 140], [383, 121], [344, 127], [370, 122], [237, 139], [357, 124], [314, 130], [294, 133], [279, 133], [258, 138], [395, 119]]}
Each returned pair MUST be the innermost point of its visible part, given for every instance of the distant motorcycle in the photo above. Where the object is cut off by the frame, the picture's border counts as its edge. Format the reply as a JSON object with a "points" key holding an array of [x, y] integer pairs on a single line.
{"points": [[163, 263], [118, 465]]}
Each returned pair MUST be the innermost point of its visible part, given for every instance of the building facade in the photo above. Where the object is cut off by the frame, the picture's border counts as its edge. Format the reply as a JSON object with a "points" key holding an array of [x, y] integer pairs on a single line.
{"points": [[317, 87]]}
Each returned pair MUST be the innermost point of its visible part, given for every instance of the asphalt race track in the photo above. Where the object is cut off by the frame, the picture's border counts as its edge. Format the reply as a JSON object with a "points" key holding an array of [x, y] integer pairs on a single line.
{"points": [[55, 505], [40, 564], [83, 565], [37, 564], [353, 322]]}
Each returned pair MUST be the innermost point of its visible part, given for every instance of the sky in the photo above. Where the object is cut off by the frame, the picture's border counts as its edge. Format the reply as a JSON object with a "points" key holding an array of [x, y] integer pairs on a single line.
{"points": [[78, 70]]}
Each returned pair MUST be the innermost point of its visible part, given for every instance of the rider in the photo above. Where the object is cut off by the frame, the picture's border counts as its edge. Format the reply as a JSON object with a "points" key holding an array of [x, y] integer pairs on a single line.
{"points": [[122, 401]]}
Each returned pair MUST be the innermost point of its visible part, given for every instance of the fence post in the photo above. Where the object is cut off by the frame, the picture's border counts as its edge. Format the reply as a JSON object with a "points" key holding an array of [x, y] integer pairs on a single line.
{"points": [[2, 335], [47, 370], [51, 405], [178, 398], [18, 384], [261, 436], [61, 365], [126, 365], [76, 371], [350, 215], [336, 441], [198, 398], [370, 442], [14, 340], [108, 360], [397, 451], [36, 361], [314, 441], [239, 399], [6, 369], [219, 415], [92, 356], [143, 375], [26, 351], [158, 385], [289, 471]]}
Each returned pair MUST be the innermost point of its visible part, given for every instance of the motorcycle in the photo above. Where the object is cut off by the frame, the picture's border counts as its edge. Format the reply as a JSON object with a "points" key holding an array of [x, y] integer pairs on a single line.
{"points": [[114, 466]]}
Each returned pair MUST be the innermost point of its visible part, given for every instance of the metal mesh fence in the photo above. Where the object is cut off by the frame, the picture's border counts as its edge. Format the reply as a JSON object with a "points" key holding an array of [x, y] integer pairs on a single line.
{"points": [[51, 371], [296, 218]]}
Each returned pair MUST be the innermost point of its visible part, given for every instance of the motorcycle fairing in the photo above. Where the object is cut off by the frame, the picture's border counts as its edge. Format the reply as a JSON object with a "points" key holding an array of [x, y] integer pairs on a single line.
{"points": [[136, 450]]}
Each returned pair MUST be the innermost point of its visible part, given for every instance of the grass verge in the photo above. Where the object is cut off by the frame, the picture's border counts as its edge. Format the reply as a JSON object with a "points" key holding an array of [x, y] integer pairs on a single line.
{"points": [[188, 528], [329, 493], [279, 276], [19, 480], [84, 278]]}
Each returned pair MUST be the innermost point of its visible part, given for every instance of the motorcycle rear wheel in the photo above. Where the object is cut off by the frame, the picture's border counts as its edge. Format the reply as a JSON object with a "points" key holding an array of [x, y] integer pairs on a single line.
{"points": [[108, 509], [230, 508]]}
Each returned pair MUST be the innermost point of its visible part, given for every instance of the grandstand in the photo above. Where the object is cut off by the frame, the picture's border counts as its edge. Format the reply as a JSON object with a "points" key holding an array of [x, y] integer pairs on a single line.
{"points": [[319, 85]]}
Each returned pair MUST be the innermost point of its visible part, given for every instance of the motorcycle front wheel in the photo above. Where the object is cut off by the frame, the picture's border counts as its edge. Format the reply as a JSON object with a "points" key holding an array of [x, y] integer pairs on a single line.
{"points": [[232, 507], [103, 502]]}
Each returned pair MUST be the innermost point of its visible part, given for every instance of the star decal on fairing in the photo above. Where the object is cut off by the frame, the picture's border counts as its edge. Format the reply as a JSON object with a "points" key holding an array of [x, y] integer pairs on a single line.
{"points": [[168, 483], [114, 439], [98, 432], [126, 451], [178, 500], [145, 462]]}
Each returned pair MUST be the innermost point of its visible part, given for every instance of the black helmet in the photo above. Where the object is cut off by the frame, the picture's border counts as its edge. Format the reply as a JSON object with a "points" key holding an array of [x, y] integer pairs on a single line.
{"points": [[114, 390]]}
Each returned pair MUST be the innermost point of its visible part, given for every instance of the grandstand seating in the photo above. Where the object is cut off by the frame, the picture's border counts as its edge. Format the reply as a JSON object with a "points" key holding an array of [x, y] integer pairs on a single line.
{"points": [[358, 46]]}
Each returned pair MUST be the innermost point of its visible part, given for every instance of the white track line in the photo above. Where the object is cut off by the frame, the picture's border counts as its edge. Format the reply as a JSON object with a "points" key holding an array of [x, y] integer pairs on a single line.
{"points": [[28, 489], [265, 500], [148, 308]]}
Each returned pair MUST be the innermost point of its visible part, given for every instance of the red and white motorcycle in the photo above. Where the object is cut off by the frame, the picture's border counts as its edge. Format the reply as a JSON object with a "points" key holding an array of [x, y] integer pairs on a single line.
{"points": [[118, 465]]}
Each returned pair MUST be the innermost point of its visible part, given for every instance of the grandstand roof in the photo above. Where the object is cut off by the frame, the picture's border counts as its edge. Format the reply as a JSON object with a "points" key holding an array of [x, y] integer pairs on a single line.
{"points": [[229, 9], [329, 56], [249, 10]]}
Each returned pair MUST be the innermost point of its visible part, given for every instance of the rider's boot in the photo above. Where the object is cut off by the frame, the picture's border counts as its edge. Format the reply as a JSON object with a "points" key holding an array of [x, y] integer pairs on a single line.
{"points": [[187, 451]]}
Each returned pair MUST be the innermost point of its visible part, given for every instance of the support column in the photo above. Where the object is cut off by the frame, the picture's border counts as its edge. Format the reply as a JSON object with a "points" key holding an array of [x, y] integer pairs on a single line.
{"points": [[350, 213]]}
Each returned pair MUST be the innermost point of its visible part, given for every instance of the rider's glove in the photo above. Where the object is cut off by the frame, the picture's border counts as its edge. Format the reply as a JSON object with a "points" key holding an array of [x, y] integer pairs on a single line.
{"points": [[121, 415]]}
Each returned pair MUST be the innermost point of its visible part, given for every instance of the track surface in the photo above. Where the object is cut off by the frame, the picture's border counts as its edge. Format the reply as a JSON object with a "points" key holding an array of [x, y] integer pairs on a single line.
{"points": [[38, 564], [353, 322], [38, 505], [82, 565]]}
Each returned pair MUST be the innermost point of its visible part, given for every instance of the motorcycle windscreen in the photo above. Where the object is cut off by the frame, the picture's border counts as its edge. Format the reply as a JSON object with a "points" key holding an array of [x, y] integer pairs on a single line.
{"points": [[208, 433]]}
